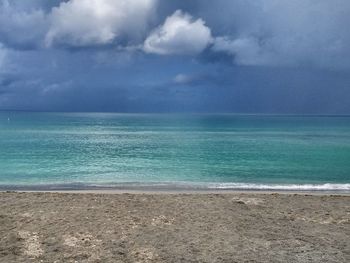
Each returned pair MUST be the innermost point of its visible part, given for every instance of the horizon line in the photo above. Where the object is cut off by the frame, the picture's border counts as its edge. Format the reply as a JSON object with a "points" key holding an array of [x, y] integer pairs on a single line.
{"points": [[182, 113]]}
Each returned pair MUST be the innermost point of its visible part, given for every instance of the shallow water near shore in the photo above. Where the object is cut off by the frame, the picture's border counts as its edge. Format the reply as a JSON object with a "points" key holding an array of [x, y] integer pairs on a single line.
{"points": [[195, 150]]}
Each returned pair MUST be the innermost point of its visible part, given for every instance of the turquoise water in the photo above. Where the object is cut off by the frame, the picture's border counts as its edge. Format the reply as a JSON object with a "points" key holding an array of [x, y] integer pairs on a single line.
{"points": [[221, 151]]}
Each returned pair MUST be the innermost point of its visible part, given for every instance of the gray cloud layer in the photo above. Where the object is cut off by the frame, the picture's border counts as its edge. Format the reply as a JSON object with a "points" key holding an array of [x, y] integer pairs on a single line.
{"points": [[305, 32], [252, 32], [197, 52]]}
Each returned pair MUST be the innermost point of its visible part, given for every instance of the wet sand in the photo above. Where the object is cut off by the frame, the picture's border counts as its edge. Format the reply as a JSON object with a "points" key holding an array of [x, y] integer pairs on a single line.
{"points": [[177, 227]]}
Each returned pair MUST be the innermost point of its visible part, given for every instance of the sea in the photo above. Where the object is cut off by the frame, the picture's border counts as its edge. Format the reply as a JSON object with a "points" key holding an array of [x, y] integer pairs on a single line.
{"points": [[182, 151]]}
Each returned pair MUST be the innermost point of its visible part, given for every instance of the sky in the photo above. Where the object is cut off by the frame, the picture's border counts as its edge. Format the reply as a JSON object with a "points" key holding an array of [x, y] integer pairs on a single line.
{"points": [[239, 56]]}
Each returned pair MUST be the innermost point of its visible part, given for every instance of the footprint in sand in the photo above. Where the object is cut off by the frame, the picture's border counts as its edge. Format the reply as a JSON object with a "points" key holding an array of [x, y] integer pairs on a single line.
{"points": [[144, 255], [162, 220], [248, 200], [32, 246]]}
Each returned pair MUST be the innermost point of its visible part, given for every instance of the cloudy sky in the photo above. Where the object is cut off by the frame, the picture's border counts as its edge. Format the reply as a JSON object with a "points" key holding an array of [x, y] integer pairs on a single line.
{"points": [[243, 56]]}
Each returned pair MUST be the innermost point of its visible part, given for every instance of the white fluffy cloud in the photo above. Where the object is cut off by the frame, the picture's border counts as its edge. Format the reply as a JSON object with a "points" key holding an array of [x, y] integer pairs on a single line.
{"points": [[180, 34], [96, 22]]}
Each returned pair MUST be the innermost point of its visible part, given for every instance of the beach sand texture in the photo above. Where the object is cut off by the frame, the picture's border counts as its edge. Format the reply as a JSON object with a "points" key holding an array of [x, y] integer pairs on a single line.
{"points": [[235, 227]]}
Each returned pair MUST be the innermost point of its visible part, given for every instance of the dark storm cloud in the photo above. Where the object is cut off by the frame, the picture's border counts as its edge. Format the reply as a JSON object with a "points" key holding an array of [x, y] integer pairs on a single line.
{"points": [[23, 24], [266, 56]]}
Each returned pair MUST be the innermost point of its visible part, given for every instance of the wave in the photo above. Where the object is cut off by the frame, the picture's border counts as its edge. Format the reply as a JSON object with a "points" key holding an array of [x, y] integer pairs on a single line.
{"points": [[286, 187], [232, 186], [181, 186]]}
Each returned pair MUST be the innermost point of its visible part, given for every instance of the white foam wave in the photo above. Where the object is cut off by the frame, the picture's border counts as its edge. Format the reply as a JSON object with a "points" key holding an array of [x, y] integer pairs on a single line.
{"points": [[229, 186], [283, 187]]}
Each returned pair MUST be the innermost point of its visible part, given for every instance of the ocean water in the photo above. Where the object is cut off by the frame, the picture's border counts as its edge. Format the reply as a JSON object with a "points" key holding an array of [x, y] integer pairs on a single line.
{"points": [[209, 151]]}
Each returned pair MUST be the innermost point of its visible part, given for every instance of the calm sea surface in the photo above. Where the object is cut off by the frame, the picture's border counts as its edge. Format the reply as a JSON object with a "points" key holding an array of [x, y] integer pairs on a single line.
{"points": [[219, 151]]}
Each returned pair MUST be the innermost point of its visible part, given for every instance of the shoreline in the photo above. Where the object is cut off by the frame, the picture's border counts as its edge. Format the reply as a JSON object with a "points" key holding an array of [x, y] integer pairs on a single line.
{"points": [[185, 192], [181, 192], [184, 188]]}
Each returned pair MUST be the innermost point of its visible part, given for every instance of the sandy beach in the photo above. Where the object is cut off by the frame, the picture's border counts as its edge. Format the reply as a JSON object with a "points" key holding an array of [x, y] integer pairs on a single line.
{"points": [[208, 227]]}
